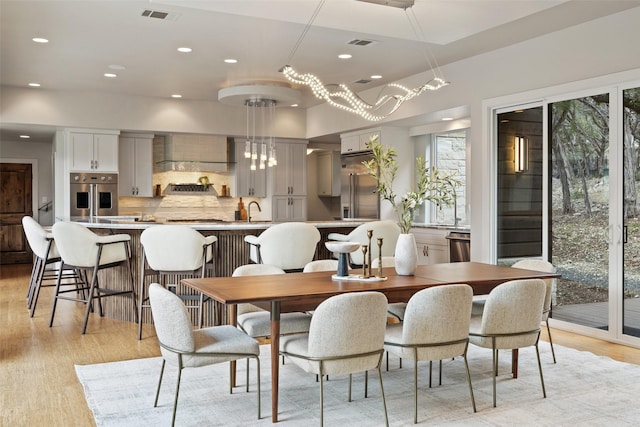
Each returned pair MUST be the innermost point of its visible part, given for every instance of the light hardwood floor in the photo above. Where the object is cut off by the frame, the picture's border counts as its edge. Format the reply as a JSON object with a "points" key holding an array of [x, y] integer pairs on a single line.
{"points": [[38, 384]]}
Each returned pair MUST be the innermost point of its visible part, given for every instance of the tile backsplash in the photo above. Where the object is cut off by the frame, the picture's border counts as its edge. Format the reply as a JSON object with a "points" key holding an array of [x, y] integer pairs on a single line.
{"points": [[184, 206]]}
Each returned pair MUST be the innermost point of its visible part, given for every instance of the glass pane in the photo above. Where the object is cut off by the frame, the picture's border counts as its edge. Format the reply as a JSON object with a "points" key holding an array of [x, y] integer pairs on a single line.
{"points": [[631, 248], [519, 181], [579, 140]]}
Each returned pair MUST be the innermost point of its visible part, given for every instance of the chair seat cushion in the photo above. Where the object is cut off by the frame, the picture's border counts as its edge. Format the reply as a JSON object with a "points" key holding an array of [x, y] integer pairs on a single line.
{"points": [[506, 343], [220, 339], [257, 324]]}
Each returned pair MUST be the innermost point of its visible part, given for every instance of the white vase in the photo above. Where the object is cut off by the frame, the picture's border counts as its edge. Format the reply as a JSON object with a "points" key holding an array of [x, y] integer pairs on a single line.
{"points": [[406, 256]]}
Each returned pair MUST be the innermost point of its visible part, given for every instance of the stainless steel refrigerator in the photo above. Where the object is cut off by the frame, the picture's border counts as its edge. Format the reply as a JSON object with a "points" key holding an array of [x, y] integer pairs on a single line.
{"points": [[359, 199]]}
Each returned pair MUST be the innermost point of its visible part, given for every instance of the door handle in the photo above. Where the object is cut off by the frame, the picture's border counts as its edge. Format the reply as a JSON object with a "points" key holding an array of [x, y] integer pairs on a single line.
{"points": [[625, 234]]}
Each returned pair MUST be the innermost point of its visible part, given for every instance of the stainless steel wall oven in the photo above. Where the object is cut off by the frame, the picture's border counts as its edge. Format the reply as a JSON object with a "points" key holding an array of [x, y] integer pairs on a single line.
{"points": [[94, 194]]}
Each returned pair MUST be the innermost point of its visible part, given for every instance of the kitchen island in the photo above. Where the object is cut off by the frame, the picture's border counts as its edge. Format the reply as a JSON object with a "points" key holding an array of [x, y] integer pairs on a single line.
{"points": [[231, 252]]}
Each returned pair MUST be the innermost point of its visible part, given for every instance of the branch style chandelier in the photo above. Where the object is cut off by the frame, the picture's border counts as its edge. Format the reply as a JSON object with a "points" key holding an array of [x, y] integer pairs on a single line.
{"points": [[391, 97]]}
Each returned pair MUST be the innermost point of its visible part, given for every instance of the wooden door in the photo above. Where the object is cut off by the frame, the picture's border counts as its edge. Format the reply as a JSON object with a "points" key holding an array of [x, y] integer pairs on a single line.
{"points": [[15, 202]]}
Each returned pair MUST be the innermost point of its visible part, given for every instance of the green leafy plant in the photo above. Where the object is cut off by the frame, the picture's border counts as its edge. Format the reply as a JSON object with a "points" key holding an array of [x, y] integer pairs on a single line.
{"points": [[431, 185]]}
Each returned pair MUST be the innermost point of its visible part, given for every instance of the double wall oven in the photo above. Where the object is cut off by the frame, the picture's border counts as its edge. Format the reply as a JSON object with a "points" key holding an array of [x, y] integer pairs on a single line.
{"points": [[94, 194]]}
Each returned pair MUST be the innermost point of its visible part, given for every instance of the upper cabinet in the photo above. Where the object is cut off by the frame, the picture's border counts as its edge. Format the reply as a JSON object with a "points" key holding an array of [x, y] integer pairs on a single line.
{"points": [[92, 151], [357, 141], [136, 165], [329, 174], [248, 183], [290, 174]]}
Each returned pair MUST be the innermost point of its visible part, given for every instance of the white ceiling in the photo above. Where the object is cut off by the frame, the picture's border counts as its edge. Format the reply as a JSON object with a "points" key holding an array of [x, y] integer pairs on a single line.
{"points": [[87, 37]]}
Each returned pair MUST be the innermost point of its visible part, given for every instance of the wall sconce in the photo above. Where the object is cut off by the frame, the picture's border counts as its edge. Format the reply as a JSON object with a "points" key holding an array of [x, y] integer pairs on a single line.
{"points": [[521, 154]]}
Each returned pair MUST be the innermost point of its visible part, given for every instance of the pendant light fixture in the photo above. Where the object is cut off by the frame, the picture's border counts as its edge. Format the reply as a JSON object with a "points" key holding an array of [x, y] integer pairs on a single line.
{"points": [[260, 101]]}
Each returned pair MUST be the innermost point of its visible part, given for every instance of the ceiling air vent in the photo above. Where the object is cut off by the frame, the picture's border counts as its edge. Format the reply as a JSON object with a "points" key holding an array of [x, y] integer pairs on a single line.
{"points": [[158, 14], [360, 42], [363, 81]]}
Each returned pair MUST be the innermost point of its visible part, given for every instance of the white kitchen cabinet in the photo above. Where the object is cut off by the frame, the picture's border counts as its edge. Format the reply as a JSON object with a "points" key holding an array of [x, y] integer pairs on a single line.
{"points": [[247, 183], [135, 178], [357, 141], [92, 152], [289, 208], [329, 174], [432, 245]]}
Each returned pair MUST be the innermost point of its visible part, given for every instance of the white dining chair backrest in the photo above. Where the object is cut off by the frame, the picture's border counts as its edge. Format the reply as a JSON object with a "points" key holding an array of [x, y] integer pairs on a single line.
{"points": [[321, 265], [171, 320], [78, 246], [388, 230], [288, 245], [173, 247], [547, 267], [436, 315], [38, 239], [513, 307], [254, 270], [358, 329]]}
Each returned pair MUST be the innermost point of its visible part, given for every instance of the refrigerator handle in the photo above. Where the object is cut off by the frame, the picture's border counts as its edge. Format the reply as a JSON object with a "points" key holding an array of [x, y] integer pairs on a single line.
{"points": [[352, 195]]}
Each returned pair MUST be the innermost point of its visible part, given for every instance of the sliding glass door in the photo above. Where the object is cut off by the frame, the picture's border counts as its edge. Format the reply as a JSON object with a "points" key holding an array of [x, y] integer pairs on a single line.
{"points": [[630, 295], [579, 198], [572, 198]]}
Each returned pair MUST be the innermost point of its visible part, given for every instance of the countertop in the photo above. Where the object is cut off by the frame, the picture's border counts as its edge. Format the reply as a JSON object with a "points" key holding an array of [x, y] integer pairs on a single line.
{"points": [[131, 223]]}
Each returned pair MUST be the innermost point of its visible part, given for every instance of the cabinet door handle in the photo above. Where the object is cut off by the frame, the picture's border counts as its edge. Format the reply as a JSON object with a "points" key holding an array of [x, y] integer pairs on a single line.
{"points": [[96, 165], [425, 250]]}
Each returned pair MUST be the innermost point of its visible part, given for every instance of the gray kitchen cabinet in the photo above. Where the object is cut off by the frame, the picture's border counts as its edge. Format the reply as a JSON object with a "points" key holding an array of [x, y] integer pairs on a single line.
{"points": [[289, 182], [329, 174], [289, 208], [247, 183], [136, 165]]}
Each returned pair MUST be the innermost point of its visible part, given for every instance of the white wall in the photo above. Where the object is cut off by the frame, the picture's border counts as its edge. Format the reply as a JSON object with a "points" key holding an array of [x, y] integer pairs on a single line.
{"points": [[532, 69], [40, 155], [135, 113]]}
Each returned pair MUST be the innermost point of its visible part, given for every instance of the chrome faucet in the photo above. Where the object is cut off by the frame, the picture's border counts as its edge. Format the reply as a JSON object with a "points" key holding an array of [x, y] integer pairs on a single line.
{"points": [[249, 209]]}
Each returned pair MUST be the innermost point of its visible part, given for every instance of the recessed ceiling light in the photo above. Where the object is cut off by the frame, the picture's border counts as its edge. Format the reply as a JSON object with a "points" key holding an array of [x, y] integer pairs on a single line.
{"points": [[25, 136], [117, 67], [294, 105], [184, 49], [344, 56], [447, 119], [176, 95], [231, 61], [40, 40], [376, 76], [110, 75], [34, 84]]}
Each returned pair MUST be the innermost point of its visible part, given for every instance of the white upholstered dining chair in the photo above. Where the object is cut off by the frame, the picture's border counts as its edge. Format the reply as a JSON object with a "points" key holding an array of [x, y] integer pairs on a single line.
{"points": [[82, 249], [388, 230], [183, 347], [510, 320], [435, 327], [531, 264], [289, 245], [46, 262], [172, 250], [321, 265], [346, 344]]}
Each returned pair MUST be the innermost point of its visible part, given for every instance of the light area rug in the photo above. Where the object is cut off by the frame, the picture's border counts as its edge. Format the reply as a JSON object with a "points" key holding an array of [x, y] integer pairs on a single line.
{"points": [[582, 390]]}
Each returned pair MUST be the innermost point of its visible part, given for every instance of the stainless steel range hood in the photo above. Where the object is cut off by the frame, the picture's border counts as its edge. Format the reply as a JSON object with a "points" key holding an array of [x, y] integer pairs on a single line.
{"points": [[191, 153]]}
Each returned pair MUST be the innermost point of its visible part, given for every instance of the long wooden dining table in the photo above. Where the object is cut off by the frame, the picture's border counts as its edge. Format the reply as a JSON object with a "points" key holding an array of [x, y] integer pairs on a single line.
{"points": [[305, 291]]}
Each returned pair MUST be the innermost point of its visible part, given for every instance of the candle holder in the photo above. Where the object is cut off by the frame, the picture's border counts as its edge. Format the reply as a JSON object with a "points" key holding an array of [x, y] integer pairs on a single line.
{"points": [[379, 257], [368, 260], [364, 264]]}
